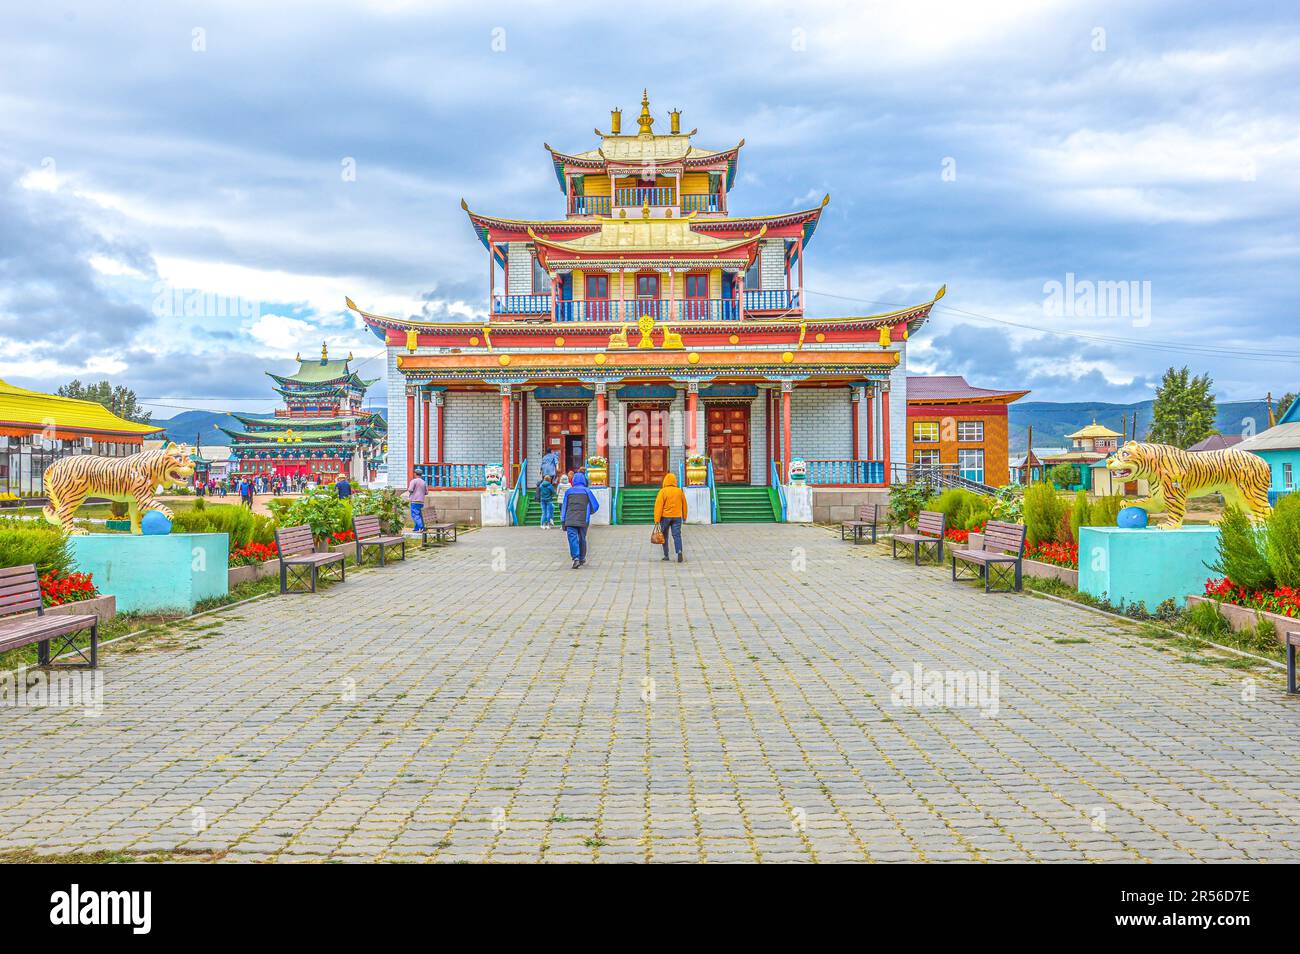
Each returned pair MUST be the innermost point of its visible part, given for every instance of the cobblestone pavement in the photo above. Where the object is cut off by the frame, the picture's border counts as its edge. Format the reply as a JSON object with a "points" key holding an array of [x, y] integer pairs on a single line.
{"points": [[486, 702]]}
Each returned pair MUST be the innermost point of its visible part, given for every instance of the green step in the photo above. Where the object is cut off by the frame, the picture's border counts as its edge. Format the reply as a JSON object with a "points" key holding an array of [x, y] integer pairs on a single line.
{"points": [[637, 504], [737, 504]]}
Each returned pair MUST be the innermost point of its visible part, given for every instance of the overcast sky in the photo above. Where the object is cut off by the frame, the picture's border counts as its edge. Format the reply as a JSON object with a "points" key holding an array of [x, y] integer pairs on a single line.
{"points": [[149, 150]]}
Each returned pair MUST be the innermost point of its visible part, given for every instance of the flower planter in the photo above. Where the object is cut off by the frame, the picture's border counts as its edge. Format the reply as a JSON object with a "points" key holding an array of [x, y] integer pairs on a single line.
{"points": [[1243, 617], [105, 607], [253, 571], [598, 476], [1050, 571], [697, 476]]}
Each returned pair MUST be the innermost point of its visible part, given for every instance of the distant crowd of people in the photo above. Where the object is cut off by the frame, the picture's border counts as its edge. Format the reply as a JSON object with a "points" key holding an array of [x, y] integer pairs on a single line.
{"points": [[245, 486]]}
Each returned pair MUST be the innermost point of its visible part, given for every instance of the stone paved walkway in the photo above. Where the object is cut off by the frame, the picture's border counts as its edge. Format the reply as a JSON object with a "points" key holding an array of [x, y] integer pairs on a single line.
{"points": [[486, 702]]}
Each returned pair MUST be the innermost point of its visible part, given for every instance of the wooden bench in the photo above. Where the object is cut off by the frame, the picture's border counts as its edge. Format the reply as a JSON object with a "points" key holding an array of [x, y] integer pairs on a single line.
{"points": [[20, 591], [431, 525], [1004, 544], [1292, 641], [298, 549], [869, 515], [929, 533], [369, 533]]}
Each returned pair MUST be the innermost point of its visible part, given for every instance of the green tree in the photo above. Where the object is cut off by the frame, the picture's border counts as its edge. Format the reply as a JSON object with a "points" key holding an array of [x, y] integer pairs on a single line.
{"points": [[1064, 475], [1184, 409], [120, 400], [1283, 403]]}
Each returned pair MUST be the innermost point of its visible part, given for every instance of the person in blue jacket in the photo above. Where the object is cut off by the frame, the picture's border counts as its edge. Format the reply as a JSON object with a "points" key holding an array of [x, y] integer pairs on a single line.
{"points": [[575, 514]]}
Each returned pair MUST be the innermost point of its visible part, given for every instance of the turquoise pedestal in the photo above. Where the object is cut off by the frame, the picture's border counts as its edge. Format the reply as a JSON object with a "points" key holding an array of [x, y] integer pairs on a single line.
{"points": [[1148, 565], [164, 573]]}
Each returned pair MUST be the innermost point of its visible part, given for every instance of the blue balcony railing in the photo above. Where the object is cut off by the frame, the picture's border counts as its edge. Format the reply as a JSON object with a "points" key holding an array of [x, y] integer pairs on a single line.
{"points": [[589, 205], [845, 473], [772, 299], [521, 305], [700, 202], [453, 475], [653, 195], [593, 309], [708, 309]]}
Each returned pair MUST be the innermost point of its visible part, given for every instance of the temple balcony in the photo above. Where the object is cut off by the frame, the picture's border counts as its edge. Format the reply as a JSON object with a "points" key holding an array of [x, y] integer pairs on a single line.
{"points": [[589, 205], [770, 302], [701, 202], [659, 199], [521, 306]]}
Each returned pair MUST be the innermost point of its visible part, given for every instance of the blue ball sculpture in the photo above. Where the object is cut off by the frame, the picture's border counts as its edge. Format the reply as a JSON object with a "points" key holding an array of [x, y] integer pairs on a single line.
{"points": [[154, 523], [1131, 518]]}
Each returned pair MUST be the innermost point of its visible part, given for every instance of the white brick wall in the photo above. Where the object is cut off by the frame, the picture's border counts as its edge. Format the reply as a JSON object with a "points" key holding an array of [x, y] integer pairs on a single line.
{"points": [[396, 421], [758, 463], [473, 427], [772, 267], [821, 424], [519, 265]]}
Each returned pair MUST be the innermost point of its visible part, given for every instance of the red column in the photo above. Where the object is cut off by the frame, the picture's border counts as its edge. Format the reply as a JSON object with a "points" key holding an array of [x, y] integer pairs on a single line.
{"points": [[871, 414], [785, 430], [410, 435], [602, 424], [767, 433], [505, 433], [884, 432], [442, 417], [514, 432], [427, 398], [854, 407], [692, 401]]}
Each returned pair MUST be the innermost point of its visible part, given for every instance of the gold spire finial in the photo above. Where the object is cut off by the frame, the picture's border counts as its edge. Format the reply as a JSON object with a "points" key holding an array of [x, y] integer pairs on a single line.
{"points": [[645, 120], [324, 352]]}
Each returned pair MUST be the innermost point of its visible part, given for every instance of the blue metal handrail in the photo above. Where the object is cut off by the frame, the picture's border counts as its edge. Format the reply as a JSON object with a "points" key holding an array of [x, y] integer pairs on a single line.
{"points": [[615, 482], [513, 504], [453, 475], [770, 299], [780, 489], [653, 195], [713, 495], [847, 473]]}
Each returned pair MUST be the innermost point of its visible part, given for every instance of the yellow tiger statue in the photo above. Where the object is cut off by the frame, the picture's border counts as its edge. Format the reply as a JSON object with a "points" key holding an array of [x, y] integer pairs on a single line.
{"points": [[1174, 476], [132, 480]]}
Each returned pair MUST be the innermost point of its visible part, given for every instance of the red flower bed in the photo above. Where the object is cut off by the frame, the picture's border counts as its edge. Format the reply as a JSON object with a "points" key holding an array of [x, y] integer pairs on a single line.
{"points": [[957, 536], [1057, 554], [72, 588], [253, 553], [1285, 600], [343, 536]]}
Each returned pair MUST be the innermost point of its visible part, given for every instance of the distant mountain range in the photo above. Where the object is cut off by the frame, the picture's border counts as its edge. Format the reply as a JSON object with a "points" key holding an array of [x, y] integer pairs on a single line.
{"points": [[1052, 421], [189, 425]]}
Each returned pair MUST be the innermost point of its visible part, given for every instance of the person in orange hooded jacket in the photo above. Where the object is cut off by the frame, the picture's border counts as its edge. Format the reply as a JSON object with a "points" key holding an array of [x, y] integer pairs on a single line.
{"points": [[670, 513]]}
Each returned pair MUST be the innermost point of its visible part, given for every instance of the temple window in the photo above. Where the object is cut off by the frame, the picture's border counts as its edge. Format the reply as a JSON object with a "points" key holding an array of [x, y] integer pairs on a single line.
{"points": [[926, 458], [541, 280], [597, 286], [647, 286], [753, 277], [970, 431], [925, 432]]}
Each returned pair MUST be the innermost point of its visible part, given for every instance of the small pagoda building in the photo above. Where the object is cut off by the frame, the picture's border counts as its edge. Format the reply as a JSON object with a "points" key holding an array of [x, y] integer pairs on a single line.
{"points": [[645, 327], [322, 430]]}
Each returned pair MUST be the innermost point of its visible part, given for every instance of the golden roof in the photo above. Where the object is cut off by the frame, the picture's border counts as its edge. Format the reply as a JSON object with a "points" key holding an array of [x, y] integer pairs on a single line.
{"points": [[1094, 430], [645, 235], [20, 406]]}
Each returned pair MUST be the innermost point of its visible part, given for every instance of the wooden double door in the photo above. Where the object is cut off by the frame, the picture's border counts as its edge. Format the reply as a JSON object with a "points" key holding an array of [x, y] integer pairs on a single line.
{"points": [[726, 429], [566, 433], [646, 443]]}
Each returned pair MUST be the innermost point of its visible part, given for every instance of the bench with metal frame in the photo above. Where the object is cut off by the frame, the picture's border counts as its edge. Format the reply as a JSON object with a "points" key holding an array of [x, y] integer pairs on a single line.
{"points": [[1004, 545], [929, 533], [20, 591], [297, 549], [441, 531], [869, 516], [369, 533]]}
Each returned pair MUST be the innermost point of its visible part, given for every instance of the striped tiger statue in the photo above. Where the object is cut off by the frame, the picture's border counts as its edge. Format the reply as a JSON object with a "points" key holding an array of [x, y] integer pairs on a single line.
{"points": [[1174, 476], [132, 480]]}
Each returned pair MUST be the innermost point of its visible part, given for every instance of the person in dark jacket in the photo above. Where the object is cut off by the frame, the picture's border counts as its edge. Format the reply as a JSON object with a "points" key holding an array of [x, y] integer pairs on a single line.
{"points": [[546, 497], [575, 514]]}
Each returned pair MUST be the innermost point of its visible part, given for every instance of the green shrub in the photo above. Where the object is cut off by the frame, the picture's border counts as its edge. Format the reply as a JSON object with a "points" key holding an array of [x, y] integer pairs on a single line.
{"points": [[1282, 544], [1080, 514], [34, 541], [1105, 511], [906, 501], [1064, 475], [953, 504], [241, 524], [1206, 621], [1242, 546], [1043, 513], [321, 510], [1008, 504], [978, 512], [388, 505]]}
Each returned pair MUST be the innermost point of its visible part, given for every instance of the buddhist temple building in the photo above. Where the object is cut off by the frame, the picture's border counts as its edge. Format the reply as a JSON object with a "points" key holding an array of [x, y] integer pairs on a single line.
{"points": [[38, 429], [643, 326], [954, 427], [322, 430]]}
